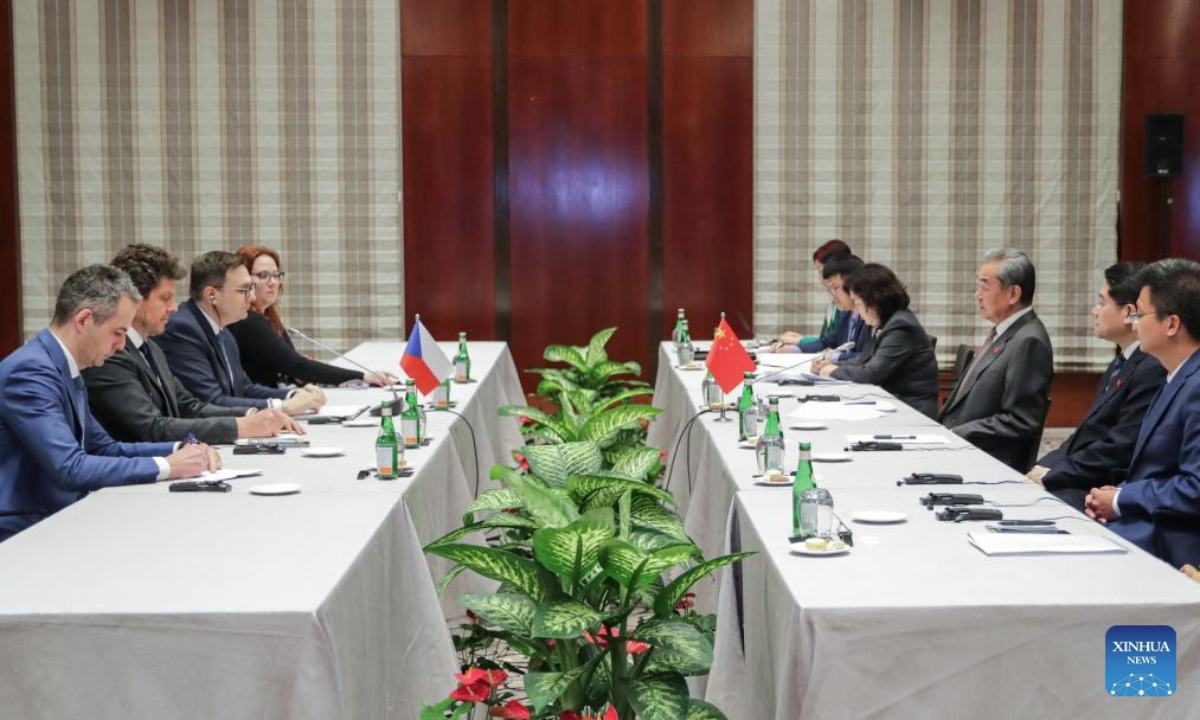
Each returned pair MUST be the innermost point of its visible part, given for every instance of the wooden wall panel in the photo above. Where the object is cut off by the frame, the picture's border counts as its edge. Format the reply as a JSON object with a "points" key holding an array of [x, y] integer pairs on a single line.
{"points": [[584, 28], [1161, 73], [578, 186], [449, 224], [708, 188], [10, 235], [708, 28]]}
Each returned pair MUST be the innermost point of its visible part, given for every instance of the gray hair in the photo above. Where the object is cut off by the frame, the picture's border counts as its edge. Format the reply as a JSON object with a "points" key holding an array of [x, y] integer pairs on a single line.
{"points": [[98, 288], [1015, 269]]}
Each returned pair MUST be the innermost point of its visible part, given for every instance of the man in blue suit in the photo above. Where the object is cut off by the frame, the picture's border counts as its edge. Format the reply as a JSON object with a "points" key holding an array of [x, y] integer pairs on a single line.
{"points": [[52, 451], [1108, 433], [1164, 474], [204, 356]]}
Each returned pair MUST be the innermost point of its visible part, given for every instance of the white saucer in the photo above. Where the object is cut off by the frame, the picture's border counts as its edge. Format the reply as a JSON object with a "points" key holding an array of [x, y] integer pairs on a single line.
{"points": [[807, 425], [767, 483], [749, 443], [831, 457], [885, 406], [798, 548], [275, 489], [322, 452], [362, 422], [692, 366], [879, 517]]}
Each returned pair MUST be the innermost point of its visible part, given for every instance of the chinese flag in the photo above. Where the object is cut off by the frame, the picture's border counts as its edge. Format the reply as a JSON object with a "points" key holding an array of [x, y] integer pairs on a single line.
{"points": [[728, 361]]}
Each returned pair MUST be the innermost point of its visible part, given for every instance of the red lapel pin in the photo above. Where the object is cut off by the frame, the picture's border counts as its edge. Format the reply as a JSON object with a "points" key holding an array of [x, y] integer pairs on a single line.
{"points": [[996, 350]]}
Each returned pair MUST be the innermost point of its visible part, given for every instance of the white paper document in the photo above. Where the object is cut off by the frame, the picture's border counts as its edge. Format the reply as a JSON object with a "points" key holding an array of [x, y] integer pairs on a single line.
{"points": [[336, 412], [834, 411], [223, 474], [1040, 544]]}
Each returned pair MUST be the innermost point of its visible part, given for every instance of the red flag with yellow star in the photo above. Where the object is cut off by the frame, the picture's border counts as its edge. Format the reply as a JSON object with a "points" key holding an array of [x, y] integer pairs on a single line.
{"points": [[728, 361]]}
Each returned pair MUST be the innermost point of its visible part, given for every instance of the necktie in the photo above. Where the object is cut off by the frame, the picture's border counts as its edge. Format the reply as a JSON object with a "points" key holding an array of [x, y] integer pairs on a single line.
{"points": [[1114, 370], [145, 348], [969, 377], [81, 409], [228, 367]]}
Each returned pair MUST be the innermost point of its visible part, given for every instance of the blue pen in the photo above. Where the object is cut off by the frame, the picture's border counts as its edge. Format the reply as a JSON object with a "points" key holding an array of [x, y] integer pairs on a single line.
{"points": [[191, 439], [862, 402]]}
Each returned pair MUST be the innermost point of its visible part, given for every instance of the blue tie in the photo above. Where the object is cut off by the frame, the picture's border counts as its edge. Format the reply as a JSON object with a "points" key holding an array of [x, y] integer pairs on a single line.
{"points": [[81, 409], [1115, 367]]}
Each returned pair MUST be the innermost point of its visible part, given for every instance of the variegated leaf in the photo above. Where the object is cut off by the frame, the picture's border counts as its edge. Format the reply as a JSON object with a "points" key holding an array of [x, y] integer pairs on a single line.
{"points": [[700, 710], [623, 397], [564, 619], [669, 597], [660, 697], [505, 610], [499, 499], [548, 508], [543, 688], [637, 463], [678, 647], [604, 427], [573, 551], [566, 354], [556, 463], [658, 518], [581, 487], [560, 428], [595, 350], [519, 572]]}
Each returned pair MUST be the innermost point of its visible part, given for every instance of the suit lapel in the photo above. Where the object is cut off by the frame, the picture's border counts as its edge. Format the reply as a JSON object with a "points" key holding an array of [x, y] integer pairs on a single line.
{"points": [[74, 403], [148, 372], [994, 351], [1162, 402], [1103, 398], [214, 344]]}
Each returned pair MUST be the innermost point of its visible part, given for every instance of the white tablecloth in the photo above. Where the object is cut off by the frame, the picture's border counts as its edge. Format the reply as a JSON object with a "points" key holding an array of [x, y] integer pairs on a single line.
{"points": [[138, 602]]}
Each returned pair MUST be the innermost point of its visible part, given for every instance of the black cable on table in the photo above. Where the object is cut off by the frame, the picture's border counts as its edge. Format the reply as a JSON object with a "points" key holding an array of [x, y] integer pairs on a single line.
{"points": [[474, 446]]}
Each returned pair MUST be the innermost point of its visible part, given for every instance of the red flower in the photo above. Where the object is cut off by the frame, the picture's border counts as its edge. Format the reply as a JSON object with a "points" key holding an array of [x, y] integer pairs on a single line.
{"points": [[611, 714], [662, 455], [633, 647], [476, 684], [687, 603], [527, 421], [513, 709]]}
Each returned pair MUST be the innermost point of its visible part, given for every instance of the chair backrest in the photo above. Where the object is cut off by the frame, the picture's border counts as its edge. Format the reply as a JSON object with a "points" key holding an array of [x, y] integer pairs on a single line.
{"points": [[962, 360], [932, 341]]}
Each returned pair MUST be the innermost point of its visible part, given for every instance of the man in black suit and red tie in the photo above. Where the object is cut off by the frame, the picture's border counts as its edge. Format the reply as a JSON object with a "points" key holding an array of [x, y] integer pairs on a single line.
{"points": [[1000, 403], [1105, 439]]}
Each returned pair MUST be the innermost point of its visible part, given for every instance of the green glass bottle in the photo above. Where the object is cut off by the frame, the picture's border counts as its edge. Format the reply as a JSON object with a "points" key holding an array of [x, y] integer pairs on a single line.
{"points": [[441, 395], [462, 361], [685, 350], [387, 449], [804, 481], [410, 417], [677, 333], [747, 410]]}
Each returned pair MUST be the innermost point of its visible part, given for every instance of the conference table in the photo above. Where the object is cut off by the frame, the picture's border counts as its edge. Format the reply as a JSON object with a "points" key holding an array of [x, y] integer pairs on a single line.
{"points": [[914, 621], [138, 602]]}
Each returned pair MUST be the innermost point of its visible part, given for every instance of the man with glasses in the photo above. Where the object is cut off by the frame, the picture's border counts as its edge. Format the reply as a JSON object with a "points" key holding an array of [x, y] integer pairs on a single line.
{"points": [[1105, 438], [202, 353], [1158, 505]]}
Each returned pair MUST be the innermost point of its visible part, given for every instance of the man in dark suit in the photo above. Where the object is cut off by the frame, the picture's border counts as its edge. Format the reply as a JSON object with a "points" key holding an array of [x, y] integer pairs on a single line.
{"points": [[1164, 474], [1001, 401], [137, 398], [1105, 438], [52, 451], [203, 354]]}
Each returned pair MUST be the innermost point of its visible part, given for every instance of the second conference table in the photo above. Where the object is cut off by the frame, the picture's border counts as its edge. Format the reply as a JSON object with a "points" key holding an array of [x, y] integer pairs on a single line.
{"points": [[914, 621], [137, 602]]}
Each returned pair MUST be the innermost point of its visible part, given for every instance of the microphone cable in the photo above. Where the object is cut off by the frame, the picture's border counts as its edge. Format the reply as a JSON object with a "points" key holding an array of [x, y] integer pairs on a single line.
{"points": [[674, 453], [474, 445]]}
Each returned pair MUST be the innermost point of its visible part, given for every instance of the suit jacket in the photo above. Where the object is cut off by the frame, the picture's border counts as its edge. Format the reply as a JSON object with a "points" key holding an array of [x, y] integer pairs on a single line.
{"points": [[1106, 436], [52, 451], [1003, 410], [846, 327], [1164, 473], [134, 406], [271, 359], [900, 359], [209, 364]]}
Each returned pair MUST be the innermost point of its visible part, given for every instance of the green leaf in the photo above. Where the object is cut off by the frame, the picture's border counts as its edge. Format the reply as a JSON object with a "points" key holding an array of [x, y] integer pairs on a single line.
{"points": [[678, 647], [501, 565], [456, 534], [573, 551], [449, 578], [564, 619], [506, 610], [508, 520], [667, 599], [556, 463], [438, 712], [638, 462], [582, 487], [560, 428], [700, 710], [543, 688], [548, 508], [656, 517], [499, 499], [621, 398], [604, 427], [660, 697], [595, 351], [633, 567], [651, 540], [565, 354]]}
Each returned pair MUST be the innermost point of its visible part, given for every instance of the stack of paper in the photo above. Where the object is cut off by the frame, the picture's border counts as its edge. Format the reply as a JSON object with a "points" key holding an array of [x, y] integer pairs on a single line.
{"points": [[1041, 544], [833, 411]]}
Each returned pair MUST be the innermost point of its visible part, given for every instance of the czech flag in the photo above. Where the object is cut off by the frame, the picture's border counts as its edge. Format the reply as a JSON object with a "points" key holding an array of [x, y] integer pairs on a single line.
{"points": [[424, 361]]}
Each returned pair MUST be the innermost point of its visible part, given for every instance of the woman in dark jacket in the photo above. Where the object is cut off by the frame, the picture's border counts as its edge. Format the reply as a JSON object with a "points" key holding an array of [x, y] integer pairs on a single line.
{"points": [[268, 355], [898, 357]]}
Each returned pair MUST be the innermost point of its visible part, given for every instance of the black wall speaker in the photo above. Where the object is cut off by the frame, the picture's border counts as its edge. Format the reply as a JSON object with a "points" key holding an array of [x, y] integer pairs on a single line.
{"points": [[1164, 145]]}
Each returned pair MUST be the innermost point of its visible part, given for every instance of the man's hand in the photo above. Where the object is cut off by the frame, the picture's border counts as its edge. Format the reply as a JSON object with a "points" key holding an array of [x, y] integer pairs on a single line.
{"points": [[826, 368], [290, 425], [379, 378], [1099, 504], [789, 338], [314, 390], [1037, 473], [1191, 571], [261, 424], [302, 401], [190, 460], [214, 459]]}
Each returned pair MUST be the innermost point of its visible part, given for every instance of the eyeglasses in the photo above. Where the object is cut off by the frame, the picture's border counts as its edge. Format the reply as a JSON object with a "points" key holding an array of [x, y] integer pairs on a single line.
{"points": [[1135, 316], [243, 291], [264, 276]]}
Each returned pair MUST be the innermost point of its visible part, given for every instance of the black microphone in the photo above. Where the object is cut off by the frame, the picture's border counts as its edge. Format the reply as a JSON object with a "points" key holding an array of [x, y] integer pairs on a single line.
{"points": [[323, 346], [822, 356]]}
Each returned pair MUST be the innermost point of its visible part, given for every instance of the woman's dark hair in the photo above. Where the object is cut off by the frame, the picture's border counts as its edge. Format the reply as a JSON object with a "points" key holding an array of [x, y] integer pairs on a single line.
{"points": [[878, 288], [829, 249]]}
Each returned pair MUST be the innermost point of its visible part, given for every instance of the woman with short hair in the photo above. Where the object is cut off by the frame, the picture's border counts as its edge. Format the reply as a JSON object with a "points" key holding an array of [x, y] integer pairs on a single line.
{"points": [[899, 356]]}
